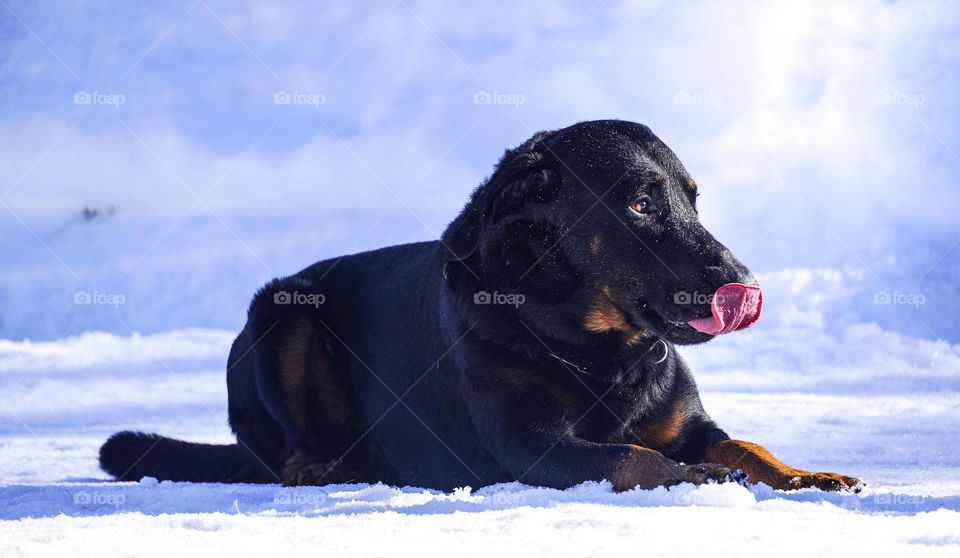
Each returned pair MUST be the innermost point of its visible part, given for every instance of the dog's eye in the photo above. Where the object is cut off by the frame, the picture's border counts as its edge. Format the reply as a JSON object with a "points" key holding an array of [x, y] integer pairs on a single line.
{"points": [[642, 205]]}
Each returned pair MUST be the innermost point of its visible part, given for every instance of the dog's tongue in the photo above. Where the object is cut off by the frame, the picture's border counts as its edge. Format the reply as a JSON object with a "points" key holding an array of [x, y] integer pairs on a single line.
{"points": [[735, 306]]}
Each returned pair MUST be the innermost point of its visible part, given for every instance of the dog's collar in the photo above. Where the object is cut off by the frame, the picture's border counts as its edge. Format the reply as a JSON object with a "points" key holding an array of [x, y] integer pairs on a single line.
{"points": [[584, 371]]}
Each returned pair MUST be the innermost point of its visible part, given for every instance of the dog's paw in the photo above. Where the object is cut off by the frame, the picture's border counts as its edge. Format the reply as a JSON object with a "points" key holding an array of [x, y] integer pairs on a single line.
{"points": [[829, 482], [315, 474], [710, 473]]}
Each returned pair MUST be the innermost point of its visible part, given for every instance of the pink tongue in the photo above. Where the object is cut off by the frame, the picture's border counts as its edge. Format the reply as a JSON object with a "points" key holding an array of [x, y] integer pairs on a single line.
{"points": [[735, 306]]}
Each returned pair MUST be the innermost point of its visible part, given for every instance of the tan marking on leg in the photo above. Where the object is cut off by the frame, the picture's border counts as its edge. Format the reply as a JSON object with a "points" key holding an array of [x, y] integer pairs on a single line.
{"points": [[293, 359], [307, 379], [663, 432], [761, 466]]}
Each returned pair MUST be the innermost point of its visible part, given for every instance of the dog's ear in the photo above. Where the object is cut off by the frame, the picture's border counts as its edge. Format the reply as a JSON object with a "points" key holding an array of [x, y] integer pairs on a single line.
{"points": [[500, 197], [522, 176], [535, 186], [462, 237]]}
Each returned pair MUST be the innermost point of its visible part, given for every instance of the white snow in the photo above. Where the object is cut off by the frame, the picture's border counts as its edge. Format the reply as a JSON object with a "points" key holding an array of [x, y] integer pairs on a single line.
{"points": [[835, 402]]}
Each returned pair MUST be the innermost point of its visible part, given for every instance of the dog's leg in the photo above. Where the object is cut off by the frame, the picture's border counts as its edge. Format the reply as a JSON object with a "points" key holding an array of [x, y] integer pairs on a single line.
{"points": [[534, 439], [761, 466], [317, 402]]}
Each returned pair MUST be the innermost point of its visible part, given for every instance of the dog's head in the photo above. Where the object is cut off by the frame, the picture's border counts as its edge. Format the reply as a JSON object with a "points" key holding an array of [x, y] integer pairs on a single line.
{"points": [[593, 229]]}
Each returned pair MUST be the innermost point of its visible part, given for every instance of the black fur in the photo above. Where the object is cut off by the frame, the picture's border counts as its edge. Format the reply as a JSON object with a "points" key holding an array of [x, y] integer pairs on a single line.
{"points": [[134, 455], [446, 392]]}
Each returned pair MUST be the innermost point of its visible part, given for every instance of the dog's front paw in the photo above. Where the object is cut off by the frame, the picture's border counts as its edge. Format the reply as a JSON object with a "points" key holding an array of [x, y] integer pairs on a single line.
{"points": [[708, 473], [830, 482]]}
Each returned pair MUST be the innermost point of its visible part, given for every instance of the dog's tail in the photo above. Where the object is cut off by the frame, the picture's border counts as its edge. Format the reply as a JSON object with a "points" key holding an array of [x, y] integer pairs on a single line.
{"points": [[134, 455]]}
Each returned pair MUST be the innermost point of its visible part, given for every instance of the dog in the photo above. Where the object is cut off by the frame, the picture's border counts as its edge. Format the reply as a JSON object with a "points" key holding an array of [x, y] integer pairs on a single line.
{"points": [[534, 342]]}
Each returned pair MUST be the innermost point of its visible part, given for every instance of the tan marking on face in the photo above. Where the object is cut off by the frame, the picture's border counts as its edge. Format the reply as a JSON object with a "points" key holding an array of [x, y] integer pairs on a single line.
{"points": [[596, 243], [658, 177], [604, 315], [634, 338], [691, 183]]}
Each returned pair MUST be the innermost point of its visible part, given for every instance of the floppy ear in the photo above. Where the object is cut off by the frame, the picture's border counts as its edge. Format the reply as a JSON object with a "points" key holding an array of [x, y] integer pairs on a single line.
{"points": [[521, 176], [538, 186], [462, 237], [493, 202]]}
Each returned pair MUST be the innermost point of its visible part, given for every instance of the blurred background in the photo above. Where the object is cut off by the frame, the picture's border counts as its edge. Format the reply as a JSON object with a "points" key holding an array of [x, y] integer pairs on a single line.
{"points": [[160, 161]]}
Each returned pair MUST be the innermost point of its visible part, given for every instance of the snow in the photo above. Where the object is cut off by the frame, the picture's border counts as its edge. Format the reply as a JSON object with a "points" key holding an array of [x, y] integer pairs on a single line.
{"points": [[834, 402]]}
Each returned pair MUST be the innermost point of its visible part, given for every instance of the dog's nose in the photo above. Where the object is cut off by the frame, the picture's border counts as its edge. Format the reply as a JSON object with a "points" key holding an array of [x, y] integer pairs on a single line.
{"points": [[728, 269], [718, 276]]}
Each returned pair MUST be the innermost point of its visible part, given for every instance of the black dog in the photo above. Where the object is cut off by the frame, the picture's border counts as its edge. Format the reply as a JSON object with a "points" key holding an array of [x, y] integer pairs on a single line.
{"points": [[534, 342]]}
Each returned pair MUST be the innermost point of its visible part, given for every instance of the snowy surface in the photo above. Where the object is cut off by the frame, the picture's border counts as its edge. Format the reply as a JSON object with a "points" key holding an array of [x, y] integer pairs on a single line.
{"points": [[832, 402]]}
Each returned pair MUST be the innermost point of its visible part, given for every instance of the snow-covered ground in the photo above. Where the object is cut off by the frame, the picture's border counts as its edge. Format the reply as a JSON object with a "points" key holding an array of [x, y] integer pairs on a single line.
{"points": [[863, 401]]}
